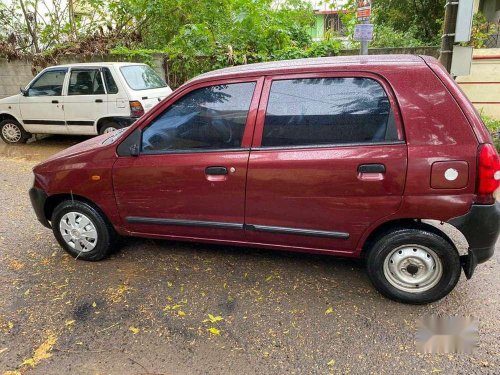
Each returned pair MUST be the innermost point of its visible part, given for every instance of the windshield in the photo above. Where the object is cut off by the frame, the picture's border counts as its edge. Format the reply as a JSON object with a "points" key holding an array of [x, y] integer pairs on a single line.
{"points": [[142, 77]]}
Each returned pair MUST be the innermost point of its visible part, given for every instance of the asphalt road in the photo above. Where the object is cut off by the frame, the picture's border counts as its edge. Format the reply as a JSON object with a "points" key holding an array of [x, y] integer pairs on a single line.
{"points": [[146, 309]]}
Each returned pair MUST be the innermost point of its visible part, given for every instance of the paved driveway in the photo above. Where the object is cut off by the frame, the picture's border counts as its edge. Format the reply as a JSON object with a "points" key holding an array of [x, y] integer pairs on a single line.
{"points": [[159, 307]]}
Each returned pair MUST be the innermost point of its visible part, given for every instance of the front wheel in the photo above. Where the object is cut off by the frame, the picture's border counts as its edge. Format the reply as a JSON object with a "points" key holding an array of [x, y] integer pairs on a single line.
{"points": [[12, 132], [82, 230], [413, 266]]}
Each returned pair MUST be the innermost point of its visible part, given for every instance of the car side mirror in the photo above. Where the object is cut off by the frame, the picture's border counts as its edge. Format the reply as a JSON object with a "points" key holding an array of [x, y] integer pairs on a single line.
{"points": [[130, 145], [24, 92], [134, 150]]}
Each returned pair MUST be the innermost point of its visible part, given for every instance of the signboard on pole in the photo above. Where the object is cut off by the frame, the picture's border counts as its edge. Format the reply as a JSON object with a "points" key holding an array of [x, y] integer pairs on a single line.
{"points": [[364, 10], [363, 32], [464, 20]]}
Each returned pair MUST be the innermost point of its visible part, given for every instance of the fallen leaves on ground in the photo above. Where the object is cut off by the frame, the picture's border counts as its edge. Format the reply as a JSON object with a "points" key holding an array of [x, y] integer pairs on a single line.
{"points": [[134, 330], [213, 319], [43, 351], [116, 294], [329, 310], [214, 331]]}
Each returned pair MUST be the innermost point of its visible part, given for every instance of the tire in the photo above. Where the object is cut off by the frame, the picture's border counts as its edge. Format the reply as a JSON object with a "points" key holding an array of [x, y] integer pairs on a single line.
{"points": [[414, 266], [92, 241], [109, 127], [12, 132]]}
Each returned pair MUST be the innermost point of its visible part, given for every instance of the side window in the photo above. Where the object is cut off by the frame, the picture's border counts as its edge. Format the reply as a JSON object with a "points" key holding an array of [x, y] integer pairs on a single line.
{"points": [[211, 117], [48, 84], [85, 82], [110, 81], [320, 111]]}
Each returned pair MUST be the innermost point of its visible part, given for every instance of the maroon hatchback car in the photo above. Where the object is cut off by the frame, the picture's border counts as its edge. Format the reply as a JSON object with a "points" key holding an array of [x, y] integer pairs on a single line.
{"points": [[343, 156]]}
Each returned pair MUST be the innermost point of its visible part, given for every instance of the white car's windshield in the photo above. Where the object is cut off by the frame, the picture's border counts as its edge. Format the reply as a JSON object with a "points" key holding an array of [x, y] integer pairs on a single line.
{"points": [[142, 77]]}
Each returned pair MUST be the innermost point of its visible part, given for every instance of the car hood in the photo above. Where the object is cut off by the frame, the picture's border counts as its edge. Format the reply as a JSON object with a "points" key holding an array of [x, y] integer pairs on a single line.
{"points": [[84, 147]]}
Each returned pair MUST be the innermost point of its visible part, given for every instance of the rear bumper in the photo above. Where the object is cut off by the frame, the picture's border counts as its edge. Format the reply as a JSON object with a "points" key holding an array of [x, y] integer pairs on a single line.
{"points": [[38, 198], [480, 227]]}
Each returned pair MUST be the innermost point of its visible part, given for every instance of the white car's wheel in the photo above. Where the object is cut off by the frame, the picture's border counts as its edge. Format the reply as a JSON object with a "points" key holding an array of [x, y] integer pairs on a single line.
{"points": [[12, 132]]}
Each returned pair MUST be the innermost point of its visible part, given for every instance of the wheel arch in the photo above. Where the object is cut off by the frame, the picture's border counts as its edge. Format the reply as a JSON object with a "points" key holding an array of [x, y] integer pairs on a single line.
{"points": [[7, 116], [405, 223], [119, 120], [53, 201]]}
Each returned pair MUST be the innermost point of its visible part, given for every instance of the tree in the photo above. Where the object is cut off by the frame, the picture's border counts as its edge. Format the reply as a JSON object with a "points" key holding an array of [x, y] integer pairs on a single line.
{"points": [[423, 17]]}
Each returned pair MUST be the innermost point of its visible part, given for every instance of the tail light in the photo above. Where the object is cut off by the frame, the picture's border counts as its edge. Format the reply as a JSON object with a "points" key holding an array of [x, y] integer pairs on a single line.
{"points": [[488, 177], [136, 109]]}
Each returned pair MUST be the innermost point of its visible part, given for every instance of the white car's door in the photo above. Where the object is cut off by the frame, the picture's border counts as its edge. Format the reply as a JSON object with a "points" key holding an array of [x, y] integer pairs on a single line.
{"points": [[42, 103], [86, 100]]}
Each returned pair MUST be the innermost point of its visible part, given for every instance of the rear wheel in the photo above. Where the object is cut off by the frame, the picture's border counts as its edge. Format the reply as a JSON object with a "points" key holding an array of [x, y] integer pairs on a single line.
{"points": [[82, 230], [12, 132], [109, 127], [413, 266]]}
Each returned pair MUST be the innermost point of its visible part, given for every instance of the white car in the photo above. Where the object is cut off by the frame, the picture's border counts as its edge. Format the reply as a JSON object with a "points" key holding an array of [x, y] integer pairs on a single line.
{"points": [[86, 99]]}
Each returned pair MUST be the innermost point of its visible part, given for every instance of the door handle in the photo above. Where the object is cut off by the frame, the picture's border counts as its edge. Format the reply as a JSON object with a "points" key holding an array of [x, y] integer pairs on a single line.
{"points": [[98, 100], [55, 101], [371, 168], [216, 171]]}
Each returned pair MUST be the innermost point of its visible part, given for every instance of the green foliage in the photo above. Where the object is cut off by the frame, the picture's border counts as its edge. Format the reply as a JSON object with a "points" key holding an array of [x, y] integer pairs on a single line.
{"points": [[493, 126], [422, 18], [481, 31], [386, 36]]}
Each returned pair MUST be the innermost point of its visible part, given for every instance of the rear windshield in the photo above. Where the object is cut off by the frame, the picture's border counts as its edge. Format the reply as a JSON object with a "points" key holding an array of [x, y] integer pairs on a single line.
{"points": [[142, 77]]}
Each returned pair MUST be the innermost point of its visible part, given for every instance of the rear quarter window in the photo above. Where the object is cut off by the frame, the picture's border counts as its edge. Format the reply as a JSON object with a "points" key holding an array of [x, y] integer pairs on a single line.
{"points": [[141, 77], [322, 111]]}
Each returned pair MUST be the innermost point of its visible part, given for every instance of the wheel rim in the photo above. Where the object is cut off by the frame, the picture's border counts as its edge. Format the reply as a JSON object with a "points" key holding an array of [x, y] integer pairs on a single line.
{"points": [[78, 231], [11, 132], [413, 268], [109, 130]]}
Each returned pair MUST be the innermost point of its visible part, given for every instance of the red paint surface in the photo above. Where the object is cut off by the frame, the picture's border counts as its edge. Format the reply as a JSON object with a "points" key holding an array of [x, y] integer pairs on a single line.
{"points": [[305, 188]]}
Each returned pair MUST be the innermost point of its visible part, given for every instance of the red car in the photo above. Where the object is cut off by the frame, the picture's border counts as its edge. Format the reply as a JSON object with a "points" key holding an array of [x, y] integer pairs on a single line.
{"points": [[344, 156]]}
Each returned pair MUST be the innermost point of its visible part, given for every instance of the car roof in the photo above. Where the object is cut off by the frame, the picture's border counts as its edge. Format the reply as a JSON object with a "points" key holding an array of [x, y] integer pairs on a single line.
{"points": [[299, 65], [92, 64]]}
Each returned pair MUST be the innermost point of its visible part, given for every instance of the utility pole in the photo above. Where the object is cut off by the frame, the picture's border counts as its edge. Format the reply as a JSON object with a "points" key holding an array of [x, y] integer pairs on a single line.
{"points": [[448, 38]]}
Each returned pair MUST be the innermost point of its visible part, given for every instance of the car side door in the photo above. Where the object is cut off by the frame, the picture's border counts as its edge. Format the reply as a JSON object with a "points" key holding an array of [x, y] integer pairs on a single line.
{"points": [[327, 161], [86, 100], [42, 102], [189, 178]]}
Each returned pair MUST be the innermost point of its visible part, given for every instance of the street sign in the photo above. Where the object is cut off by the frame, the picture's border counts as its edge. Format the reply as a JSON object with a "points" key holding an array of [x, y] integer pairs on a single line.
{"points": [[364, 9], [363, 32]]}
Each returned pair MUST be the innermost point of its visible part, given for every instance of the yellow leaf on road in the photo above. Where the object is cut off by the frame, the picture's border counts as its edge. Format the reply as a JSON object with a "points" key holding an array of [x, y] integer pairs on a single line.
{"points": [[43, 351], [181, 313], [331, 363], [214, 331], [329, 310], [69, 322], [134, 330]]}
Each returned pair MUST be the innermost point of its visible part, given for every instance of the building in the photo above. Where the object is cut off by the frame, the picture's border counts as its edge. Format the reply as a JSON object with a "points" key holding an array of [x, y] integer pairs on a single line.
{"points": [[327, 19]]}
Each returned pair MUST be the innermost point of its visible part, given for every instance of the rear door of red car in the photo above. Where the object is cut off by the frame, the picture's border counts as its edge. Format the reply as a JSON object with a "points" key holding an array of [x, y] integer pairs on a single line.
{"points": [[328, 160], [189, 178]]}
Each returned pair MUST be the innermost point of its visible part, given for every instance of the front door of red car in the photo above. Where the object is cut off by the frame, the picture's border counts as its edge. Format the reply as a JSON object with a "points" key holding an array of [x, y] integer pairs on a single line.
{"points": [[189, 177], [328, 160]]}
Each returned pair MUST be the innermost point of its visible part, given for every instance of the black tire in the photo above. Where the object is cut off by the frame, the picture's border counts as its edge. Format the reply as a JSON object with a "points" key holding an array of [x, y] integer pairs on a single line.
{"points": [[21, 135], [109, 126], [422, 239], [106, 235]]}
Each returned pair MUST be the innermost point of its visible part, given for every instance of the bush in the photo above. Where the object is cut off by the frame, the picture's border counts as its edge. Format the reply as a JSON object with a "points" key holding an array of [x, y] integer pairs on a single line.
{"points": [[493, 127]]}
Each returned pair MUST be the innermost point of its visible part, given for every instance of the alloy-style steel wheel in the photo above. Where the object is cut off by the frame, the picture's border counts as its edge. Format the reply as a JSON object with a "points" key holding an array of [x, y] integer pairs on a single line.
{"points": [[12, 132]]}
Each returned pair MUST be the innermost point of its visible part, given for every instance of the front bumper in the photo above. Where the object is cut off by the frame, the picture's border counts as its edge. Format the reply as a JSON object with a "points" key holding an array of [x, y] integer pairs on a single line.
{"points": [[480, 227], [38, 198]]}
